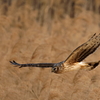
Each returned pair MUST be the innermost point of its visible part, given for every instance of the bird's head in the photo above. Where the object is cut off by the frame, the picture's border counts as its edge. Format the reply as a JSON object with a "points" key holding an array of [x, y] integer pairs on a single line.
{"points": [[58, 68], [55, 69]]}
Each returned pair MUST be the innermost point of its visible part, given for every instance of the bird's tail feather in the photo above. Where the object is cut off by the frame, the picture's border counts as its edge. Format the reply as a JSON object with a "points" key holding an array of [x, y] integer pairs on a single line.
{"points": [[93, 65]]}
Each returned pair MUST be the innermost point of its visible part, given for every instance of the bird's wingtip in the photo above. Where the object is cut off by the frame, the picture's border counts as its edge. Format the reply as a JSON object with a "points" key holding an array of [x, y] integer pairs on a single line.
{"points": [[11, 61], [14, 62]]}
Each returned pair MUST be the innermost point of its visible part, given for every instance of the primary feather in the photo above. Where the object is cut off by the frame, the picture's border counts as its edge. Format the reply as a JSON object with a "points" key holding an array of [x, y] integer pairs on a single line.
{"points": [[43, 65]]}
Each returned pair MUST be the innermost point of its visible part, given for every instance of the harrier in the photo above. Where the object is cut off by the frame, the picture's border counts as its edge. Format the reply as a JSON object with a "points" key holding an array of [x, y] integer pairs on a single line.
{"points": [[74, 60]]}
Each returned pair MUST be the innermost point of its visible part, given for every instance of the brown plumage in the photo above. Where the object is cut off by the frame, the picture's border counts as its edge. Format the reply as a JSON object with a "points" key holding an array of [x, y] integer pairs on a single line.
{"points": [[74, 60]]}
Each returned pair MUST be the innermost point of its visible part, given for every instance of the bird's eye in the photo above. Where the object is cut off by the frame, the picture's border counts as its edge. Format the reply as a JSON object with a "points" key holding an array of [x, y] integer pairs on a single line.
{"points": [[55, 69]]}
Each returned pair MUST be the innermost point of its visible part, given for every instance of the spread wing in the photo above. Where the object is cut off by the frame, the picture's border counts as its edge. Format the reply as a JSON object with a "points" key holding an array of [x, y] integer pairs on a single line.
{"points": [[84, 50], [42, 65]]}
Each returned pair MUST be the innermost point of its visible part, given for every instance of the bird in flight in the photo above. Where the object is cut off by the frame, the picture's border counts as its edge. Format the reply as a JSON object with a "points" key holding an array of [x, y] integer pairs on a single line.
{"points": [[74, 61]]}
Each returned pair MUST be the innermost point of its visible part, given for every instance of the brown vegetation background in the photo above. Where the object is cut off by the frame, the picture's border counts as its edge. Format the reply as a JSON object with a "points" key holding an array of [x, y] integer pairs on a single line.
{"points": [[33, 31]]}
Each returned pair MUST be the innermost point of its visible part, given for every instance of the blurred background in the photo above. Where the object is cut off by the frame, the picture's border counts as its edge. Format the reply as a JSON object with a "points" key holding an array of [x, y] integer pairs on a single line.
{"points": [[33, 31]]}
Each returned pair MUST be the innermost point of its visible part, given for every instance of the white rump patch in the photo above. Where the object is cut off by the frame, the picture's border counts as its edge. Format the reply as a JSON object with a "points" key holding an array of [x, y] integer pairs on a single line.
{"points": [[75, 66]]}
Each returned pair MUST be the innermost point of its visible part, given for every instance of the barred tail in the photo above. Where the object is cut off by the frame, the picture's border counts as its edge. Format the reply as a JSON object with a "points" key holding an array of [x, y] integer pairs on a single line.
{"points": [[93, 64], [42, 65]]}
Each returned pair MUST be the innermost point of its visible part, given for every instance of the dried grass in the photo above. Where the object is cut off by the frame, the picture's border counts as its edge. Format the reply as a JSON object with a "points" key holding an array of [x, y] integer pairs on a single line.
{"points": [[46, 31]]}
